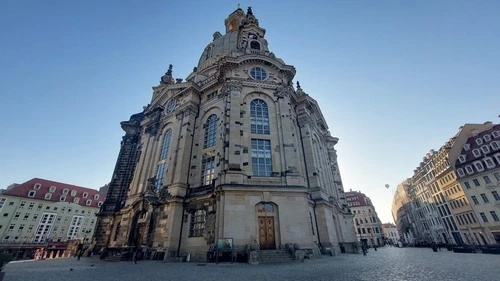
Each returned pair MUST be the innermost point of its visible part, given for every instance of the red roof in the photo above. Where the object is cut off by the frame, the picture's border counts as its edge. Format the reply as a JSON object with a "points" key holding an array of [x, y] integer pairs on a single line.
{"points": [[359, 197], [43, 187]]}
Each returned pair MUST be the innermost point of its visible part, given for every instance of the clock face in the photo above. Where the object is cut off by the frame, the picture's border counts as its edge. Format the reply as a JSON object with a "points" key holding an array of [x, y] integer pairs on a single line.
{"points": [[170, 106], [258, 73]]}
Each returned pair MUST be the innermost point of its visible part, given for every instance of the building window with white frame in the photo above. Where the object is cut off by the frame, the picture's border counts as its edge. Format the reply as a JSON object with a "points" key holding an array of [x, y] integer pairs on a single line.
{"points": [[497, 157], [62, 198], [31, 193], [461, 158], [483, 216], [88, 202], [261, 158], [479, 141], [259, 117], [485, 149], [479, 166], [96, 196], [52, 189], [495, 134], [207, 169], [460, 172], [73, 192], [65, 191], [74, 227], [494, 145], [44, 227], [48, 196], [85, 195], [466, 147], [489, 162], [76, 200], [210, 131], [469, 169], [476, 152], [99, 204]]}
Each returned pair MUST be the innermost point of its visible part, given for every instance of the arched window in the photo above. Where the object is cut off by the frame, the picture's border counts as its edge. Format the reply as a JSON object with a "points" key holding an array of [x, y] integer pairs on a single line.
{"points": [[259, 117], [210, 131], [166, 144], [207, 169], [255, 45], [162, 164]]}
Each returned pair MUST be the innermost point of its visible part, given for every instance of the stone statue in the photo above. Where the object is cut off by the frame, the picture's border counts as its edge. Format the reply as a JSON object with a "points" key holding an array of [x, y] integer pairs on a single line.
{"points": [[167, 78]]}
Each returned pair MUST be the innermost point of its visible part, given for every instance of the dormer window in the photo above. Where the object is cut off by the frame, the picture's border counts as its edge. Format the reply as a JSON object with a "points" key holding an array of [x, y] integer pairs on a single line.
{"points": [[487, 138], [495, 134], [469, 169], [37, 186], [479, 166], [255, 45], [96, 196], [485, 149], [85, 195], [494, 145], [65, 191], [48, 196], [76, 200], [73, 192], [99, 204], [476, 152], [461, 158], [489, 162], [479, 141], [31, 193], [88, 202], [460, 172], [52, 189], [466, 147]]}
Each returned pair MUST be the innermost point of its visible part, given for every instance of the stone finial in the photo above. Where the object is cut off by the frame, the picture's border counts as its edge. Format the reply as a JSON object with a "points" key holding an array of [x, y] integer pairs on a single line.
{"points": [[298, 85], [167, 78], [249, 11]]}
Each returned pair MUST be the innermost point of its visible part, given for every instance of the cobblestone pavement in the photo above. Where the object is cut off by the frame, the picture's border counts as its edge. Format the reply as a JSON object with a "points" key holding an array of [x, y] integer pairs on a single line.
{"points": [[385, 264]]}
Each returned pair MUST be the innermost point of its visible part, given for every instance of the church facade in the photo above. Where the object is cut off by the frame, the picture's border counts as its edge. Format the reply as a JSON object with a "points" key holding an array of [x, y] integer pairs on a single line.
{"points": [[232, 153]]}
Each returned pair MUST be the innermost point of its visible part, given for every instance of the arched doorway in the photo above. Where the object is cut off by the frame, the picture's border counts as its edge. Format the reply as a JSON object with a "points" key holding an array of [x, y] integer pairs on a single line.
{"points": [[267, 216]]}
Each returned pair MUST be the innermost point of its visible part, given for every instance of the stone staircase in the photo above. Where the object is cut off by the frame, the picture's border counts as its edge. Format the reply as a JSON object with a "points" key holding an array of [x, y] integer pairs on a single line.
{"points": [[275, 256]]}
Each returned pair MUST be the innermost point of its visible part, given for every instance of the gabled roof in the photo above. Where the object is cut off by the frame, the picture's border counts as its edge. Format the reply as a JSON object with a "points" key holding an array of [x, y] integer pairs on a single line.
{"points": [[22, 190], [469, 156]]}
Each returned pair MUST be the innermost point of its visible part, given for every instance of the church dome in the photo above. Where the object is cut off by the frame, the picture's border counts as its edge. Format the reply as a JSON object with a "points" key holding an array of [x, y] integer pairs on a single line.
{"points": [[222, 45]]}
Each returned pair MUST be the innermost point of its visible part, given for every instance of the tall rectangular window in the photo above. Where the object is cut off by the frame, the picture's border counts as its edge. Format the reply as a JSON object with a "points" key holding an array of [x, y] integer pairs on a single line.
{"points": [[207, 169], [485, 198], [197, 225], [494, 215], [74, 227], [44, 227], [476, 182], [261, 158], [467, 184], [495, 195], [483, 216], [487, 179], [474, 199]]}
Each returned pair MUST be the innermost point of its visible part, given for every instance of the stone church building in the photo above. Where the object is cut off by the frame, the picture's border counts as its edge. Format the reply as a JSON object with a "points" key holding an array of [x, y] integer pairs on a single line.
{"points": [[232, 153]]}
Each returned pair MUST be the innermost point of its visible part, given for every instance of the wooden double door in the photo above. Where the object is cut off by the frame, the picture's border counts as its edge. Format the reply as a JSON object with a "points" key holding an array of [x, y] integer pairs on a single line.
{"points": [[267, 233]]}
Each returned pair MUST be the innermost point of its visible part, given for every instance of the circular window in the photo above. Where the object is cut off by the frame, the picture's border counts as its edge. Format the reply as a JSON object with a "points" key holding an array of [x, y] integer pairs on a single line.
{"points": [[258, 73], [170, 106]]}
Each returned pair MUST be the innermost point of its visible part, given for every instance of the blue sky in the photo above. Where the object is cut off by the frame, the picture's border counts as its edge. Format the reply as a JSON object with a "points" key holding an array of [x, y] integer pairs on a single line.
{"points": [[394, 78]]}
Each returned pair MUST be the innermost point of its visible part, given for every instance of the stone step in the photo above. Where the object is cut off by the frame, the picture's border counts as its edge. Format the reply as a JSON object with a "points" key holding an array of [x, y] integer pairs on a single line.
{"points": [[275, 256]]}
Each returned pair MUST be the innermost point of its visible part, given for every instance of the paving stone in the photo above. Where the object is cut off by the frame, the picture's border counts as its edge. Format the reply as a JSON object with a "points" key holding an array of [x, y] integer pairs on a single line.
{"points": [[384, 264]]}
